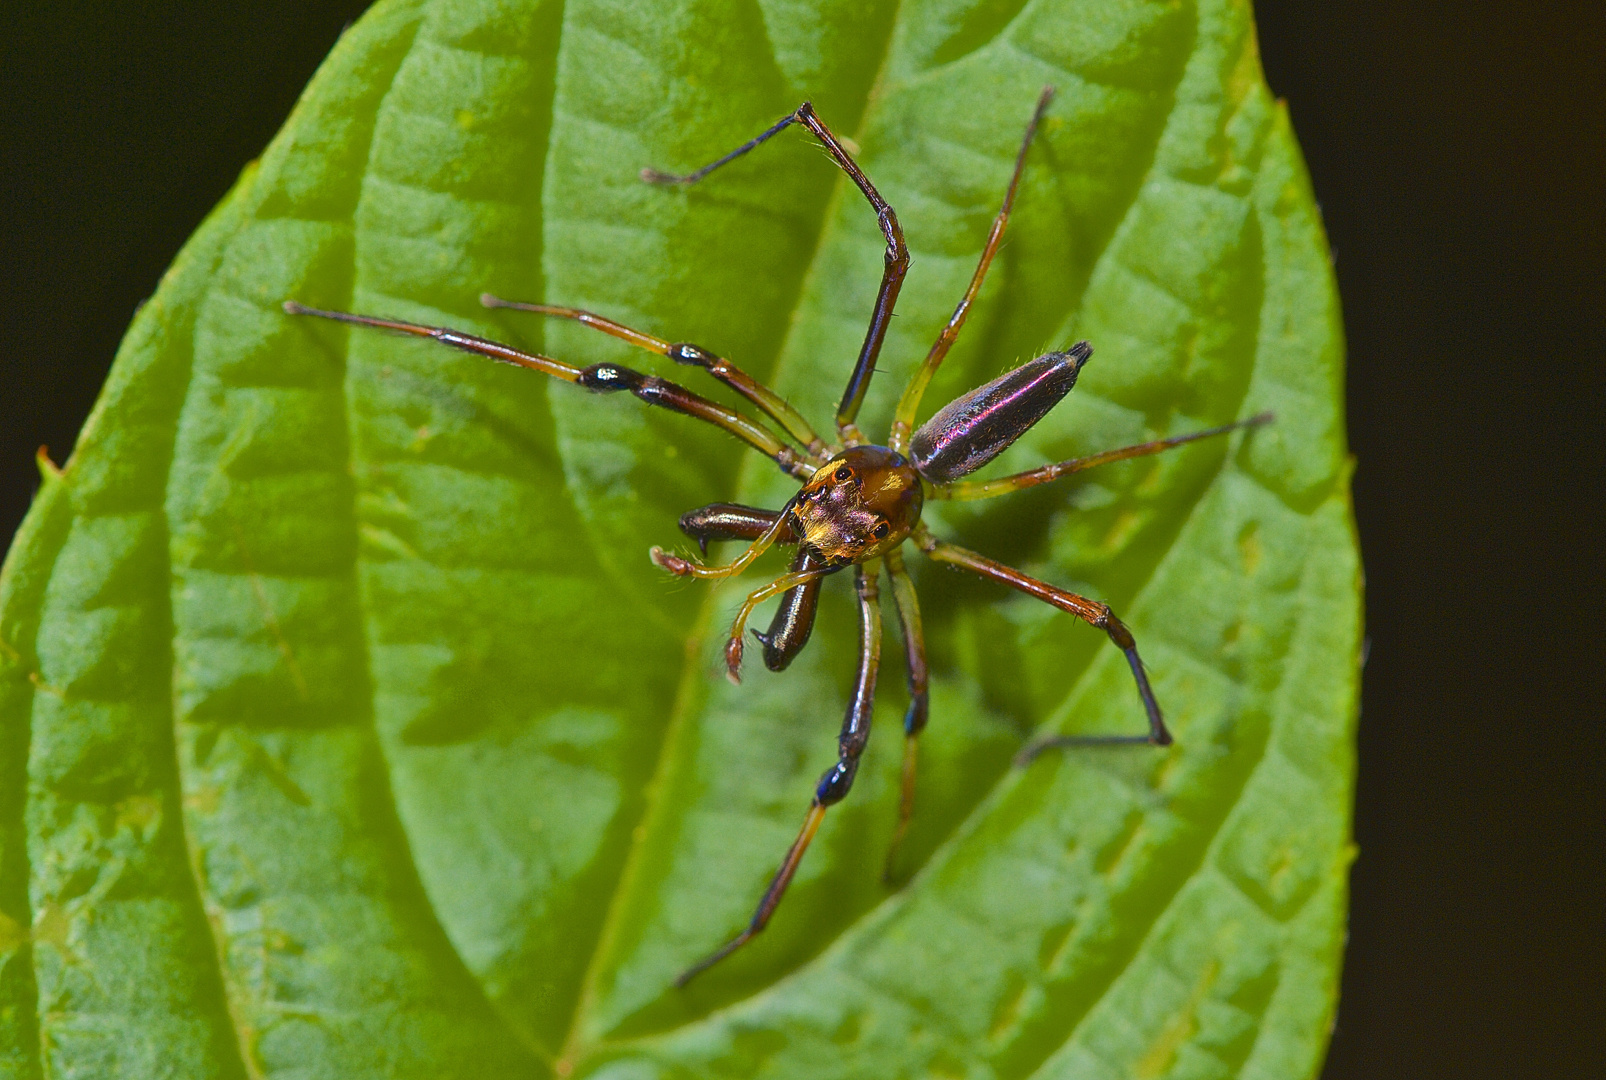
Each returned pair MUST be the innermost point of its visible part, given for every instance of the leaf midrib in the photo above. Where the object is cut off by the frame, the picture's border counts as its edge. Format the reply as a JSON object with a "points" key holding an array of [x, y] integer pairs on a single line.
{"points": [[573, 1047]]}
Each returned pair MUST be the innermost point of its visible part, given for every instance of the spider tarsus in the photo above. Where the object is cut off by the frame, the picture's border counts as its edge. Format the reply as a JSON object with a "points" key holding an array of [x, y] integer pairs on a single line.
{"points": [[653, 176], [733, 661], [673, 563]]}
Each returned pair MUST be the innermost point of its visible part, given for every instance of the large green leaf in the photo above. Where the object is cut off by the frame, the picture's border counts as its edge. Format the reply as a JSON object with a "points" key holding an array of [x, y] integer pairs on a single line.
{"points": [[346, 731]]}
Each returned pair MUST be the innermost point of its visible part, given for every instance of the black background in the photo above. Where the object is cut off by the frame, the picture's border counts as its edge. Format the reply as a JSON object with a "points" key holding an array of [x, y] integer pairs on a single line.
{"points": [[1459, 156]]}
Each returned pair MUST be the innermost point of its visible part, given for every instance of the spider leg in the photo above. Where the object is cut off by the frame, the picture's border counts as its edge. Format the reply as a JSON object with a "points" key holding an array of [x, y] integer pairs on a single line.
{"points": [[1089, 611], [794, 619], [904, 420], [686, 568], [734, 646], [771, 403], [914, 720], [602, 378], [838, 779], [896, 260], [653, 176], [730, 521], [986, 489]]}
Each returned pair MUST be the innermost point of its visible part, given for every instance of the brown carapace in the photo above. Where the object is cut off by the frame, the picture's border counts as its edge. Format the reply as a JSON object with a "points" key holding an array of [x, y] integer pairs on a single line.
{"points": [[857, 506], [859, 502]]}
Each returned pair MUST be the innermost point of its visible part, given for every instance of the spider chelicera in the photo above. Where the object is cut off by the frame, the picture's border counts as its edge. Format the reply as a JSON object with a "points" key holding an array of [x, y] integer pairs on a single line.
{"points": [[859, 501]]}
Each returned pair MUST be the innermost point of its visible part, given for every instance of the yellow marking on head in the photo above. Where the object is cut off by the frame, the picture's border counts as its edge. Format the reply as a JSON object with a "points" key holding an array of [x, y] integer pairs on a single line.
{"points": [[890, 481]]}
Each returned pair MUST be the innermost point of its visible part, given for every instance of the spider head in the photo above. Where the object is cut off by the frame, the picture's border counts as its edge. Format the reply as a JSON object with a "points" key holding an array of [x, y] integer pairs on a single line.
{"points": [[861, 503]]}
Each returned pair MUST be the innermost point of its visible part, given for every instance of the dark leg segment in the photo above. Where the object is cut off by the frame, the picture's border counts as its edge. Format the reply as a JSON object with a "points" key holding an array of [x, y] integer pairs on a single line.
{"points": [[896, 260], [730, 521], [794, 619], [1090, 611], [611, 378], [986, 489], [914, 720], [734, 646], [653, 176], [908, 405], [895, 264], [772, 404], [838, 779], [602, 378], [855, 734]]}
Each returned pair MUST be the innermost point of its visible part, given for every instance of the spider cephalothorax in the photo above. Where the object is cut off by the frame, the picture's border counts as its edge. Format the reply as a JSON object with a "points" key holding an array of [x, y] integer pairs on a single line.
{"points": [[858, 505], [859, 502]]}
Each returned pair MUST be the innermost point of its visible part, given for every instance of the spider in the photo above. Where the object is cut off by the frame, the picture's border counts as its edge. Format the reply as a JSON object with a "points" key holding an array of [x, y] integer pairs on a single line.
{"points": [[859, 501]]}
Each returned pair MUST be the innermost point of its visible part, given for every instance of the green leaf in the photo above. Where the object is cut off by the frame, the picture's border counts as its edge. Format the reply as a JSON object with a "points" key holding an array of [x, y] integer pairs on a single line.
{"points": [[346, 731]]}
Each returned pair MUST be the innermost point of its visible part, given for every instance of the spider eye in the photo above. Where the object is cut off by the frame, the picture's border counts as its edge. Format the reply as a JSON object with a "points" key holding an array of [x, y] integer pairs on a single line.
{"points": [[844, 474], [881, 530]]}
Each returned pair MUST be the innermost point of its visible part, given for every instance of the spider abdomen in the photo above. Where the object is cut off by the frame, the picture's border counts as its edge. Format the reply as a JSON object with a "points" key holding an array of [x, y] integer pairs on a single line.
{"points": [[971, 430]]}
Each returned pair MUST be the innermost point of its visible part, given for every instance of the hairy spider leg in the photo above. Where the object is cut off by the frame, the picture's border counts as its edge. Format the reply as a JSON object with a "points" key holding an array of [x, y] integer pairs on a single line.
{"points": [[772, 404], [909, 404], [686, 568], [837, 780], [914, 720], [603, 378], [895, 261], [794, 617], [1003, 485], [734, 647], [1091, 612]]}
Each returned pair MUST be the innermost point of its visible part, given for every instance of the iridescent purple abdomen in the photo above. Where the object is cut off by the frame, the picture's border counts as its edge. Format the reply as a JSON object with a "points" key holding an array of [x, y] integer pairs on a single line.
{"points": [[972, 430]]}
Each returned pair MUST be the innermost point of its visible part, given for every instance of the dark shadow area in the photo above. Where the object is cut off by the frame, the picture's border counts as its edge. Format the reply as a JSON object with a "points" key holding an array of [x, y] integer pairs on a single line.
{"points": [[123, 126], [1458, 152]]}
